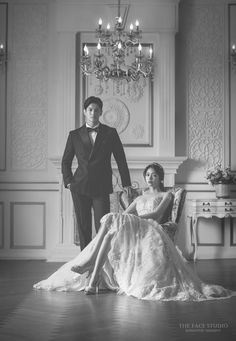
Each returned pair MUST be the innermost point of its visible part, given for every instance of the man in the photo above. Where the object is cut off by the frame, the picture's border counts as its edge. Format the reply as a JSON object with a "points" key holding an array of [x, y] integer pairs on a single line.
{"points": [[90, 185]]}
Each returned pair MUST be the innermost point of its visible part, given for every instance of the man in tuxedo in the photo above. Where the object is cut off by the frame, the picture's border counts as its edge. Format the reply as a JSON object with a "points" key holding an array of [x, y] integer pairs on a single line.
{"points": [[90, 185]]}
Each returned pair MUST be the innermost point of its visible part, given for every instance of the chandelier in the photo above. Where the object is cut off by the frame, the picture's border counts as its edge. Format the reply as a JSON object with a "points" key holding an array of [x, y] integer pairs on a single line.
{"points": [[118, 53]]}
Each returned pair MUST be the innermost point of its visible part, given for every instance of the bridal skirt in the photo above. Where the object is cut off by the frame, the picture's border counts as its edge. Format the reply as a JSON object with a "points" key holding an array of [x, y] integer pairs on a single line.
{"points": [[142, 262]]}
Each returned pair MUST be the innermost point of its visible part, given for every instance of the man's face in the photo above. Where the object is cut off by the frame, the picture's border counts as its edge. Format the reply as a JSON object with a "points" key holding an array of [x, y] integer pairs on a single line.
{"points": [[92, 114]]}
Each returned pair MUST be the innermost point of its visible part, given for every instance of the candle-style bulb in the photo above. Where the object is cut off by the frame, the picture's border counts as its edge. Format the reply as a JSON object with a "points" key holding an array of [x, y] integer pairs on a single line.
{"points": [[119, 45], [139, 47], [99, 46], [108, 27], [150, 52], [131, 27], [234, 47], [100, 22], [137, 24], [119, 20], [86, 51], [1, 46]]}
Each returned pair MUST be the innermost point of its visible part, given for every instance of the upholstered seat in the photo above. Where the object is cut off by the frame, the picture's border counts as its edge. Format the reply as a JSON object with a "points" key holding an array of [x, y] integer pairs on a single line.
{"points": [[172, 216]]}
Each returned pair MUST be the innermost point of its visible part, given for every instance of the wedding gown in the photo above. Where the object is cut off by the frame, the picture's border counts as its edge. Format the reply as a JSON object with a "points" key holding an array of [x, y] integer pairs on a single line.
{"points": [[142, 262]]}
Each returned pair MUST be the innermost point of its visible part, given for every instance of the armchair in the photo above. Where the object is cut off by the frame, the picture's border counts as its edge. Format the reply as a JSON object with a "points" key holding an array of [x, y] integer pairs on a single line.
{"points": [[173, 214]]}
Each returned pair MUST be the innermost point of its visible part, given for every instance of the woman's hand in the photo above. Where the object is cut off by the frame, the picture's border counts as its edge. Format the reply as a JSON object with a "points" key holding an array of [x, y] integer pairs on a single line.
{"points": [[128, 191]]}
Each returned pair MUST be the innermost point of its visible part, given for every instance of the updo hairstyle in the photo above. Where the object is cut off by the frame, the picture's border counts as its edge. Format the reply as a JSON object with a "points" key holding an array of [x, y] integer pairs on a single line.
{"points": [[159, 170]]}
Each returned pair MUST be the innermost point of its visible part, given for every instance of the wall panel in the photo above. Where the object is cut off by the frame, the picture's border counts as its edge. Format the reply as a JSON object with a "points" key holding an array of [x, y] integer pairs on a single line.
{"points": [[3, 83], [30, 213], [232, 86], [28, 227], [201, 87]]}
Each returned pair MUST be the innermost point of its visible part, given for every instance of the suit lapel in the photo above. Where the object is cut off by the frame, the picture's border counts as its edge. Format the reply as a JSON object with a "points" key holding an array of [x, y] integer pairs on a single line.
{"points": [[99, 138], [86, 140]]}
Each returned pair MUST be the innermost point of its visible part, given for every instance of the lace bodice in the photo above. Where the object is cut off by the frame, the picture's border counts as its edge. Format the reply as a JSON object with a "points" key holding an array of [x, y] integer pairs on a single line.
{"points": [[147, 204]]}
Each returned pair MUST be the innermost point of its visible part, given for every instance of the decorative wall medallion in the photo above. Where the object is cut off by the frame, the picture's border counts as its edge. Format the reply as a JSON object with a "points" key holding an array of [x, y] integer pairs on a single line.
{"points": [[115, 114], [98, 89]]}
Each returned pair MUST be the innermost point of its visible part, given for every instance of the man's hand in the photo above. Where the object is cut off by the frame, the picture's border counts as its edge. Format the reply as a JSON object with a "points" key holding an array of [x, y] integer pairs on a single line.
{"points": [[128, 191], [68, 186]]}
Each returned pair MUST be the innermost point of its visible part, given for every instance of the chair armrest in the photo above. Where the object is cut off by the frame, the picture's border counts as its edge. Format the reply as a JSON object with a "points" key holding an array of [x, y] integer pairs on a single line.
{"points": [[179, 199]]}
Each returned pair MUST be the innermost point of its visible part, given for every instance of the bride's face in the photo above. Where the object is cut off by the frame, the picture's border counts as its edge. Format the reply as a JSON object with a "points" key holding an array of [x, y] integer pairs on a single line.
{"points": [[152, 178]]}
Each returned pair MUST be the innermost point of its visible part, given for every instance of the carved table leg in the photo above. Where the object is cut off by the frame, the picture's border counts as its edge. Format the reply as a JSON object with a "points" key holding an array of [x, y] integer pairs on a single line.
{"points": [[194, 225]]}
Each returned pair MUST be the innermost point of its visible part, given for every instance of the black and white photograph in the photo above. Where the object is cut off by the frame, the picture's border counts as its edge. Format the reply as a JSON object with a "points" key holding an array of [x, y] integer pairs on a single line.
{"points": [[117, 170]]}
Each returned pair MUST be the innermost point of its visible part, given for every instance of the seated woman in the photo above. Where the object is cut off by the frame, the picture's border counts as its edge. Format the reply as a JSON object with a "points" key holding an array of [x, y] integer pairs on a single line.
{"points": [[132, 254]]}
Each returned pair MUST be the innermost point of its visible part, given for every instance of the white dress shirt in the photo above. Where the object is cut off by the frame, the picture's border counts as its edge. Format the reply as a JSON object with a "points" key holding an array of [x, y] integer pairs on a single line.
{"points": [[92, 134]]}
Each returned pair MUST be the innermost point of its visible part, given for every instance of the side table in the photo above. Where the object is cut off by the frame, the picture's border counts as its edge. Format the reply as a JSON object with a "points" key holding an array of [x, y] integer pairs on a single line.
{"points": [[208, 208]]}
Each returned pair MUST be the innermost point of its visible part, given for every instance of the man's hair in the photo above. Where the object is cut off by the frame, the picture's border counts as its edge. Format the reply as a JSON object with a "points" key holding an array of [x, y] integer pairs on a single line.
{"points": [[93, 99]]}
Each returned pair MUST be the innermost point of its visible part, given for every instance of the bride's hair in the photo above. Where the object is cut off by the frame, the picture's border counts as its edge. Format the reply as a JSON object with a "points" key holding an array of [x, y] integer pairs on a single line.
{"points": [[159, 170]]}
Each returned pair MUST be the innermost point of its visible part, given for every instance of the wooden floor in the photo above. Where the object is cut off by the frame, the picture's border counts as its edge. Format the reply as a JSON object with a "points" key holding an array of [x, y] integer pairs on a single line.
{"points": [[29, 315]]}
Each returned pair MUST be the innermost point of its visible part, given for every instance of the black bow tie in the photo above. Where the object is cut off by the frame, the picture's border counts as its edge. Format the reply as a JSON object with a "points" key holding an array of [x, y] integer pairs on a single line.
{"points": [[93, 129]]}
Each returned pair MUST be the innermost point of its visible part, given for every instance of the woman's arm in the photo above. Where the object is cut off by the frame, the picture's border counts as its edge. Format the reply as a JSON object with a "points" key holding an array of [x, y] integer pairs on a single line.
{"points": [[131, 208], [160, 210]]}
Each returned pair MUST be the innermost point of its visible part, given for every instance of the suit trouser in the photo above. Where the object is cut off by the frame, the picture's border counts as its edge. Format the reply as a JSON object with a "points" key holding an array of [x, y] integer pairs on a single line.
{"points": [[83, 205]]}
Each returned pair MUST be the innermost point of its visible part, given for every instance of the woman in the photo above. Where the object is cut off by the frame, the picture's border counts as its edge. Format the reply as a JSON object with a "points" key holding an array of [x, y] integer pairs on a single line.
{"points": [[132, 254]]}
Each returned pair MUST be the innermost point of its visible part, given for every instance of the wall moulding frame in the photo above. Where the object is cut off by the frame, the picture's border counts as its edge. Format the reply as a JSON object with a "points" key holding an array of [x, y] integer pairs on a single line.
{"points": [[3, 86], [22, 204], [128, 107]]}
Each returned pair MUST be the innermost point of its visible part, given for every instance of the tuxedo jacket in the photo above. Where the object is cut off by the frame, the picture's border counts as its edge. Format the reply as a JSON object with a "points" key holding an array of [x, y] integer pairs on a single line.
{"points": [[93, 175]]}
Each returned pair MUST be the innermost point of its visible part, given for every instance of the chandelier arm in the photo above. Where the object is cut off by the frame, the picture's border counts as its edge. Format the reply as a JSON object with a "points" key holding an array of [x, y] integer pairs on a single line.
{"points": [[133, 42]]}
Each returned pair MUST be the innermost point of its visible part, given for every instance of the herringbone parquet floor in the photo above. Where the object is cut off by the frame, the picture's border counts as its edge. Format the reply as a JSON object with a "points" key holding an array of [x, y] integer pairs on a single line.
{"points": [[30, 315]]}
